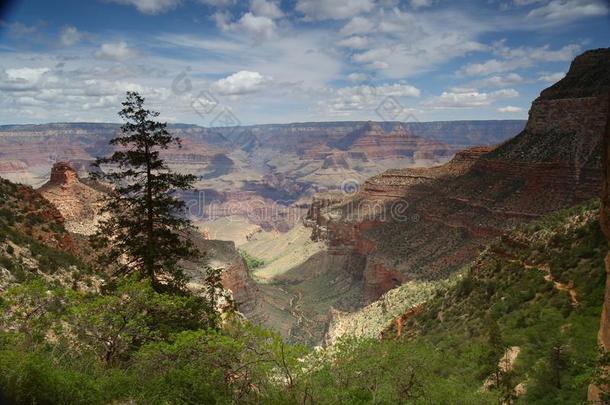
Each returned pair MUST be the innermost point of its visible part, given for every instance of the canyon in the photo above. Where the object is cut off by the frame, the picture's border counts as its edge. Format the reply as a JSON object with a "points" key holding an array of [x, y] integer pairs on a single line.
{"points": [[242, 169], [423, 223], [341, 213]]}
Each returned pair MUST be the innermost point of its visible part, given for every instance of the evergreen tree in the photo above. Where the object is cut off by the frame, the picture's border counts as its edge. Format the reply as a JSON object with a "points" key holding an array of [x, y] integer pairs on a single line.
{"points": [[493, 352], [558, 362], [145, 230]]}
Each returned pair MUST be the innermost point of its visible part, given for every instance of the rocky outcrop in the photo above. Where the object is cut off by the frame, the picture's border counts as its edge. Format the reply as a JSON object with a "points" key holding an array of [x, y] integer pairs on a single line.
{"points": [[78, 203], [235, 276], [412, 224]]}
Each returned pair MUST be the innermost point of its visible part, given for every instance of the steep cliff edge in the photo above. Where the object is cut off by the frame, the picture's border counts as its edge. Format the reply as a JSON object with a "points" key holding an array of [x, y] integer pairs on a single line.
{"points": [[603, 336], [425, 223]]}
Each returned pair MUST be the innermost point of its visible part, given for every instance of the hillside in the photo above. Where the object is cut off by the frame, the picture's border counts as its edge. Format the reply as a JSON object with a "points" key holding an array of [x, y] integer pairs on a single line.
{"points": [[542, 283], [34, 241]]}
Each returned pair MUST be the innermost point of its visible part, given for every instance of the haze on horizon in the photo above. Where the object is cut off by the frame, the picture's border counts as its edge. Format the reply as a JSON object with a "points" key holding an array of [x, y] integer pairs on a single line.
{"points": [[228, 62]]}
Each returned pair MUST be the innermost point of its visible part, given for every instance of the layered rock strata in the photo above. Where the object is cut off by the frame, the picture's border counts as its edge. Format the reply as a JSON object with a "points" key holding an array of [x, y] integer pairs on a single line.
{"points": [[424, 223]]}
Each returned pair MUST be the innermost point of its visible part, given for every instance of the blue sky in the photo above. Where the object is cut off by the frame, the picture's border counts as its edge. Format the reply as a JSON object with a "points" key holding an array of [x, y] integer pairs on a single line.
{"points": [[215, 62]]}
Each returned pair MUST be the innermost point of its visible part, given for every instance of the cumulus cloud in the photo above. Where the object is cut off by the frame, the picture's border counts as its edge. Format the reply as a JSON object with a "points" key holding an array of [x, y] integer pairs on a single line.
{"points": [[401, 44], [333, 9], [347, 100], [551, 77], [26, 74], [357, 77], [254, 26], [509, 79], [518, 58], [420, 3], [57, 93], [218, 3], [70, 36], [357, 25], [510, 109], [150, 6], [257, 26], [242, 82], [115, 51], [18, 29], [469, 98], [266, 9], [355, 42], [567, 10]]}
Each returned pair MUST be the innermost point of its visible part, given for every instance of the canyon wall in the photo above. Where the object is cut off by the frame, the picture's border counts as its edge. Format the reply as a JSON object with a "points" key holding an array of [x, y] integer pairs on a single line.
{"points": [[603, 336], [421, 224]]}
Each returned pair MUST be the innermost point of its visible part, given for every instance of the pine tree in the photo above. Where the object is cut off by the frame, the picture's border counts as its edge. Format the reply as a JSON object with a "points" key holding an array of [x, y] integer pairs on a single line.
{"points": [[493, 351], [145, 230], [558, 362]]}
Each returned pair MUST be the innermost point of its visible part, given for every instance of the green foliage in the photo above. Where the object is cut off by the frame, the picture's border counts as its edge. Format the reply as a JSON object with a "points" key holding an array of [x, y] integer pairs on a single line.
{"points": [[251, 261], [601, 377], [390, 372], [133, 344], [507, 283]]}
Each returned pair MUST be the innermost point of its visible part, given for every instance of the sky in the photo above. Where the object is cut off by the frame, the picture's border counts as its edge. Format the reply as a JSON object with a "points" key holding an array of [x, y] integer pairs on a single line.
{"points": [[229, 62]]}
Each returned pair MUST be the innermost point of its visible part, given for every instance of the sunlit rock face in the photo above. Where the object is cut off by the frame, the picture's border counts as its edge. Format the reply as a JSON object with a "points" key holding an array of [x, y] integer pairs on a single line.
{"points": [[78, 203]]}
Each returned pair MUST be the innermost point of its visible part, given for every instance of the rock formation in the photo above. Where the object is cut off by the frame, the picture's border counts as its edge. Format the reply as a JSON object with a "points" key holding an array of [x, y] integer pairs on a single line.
{"points": [[424, 223], [78, 203], [235, 275]]}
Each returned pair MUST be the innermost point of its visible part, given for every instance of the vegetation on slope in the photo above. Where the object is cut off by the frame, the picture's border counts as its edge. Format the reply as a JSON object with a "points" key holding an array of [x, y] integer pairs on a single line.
{"points": [[251, 261], [542, 286], [538, 289]]}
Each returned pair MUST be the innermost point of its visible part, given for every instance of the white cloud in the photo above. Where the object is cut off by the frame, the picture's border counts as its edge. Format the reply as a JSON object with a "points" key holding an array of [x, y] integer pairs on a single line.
{"points": [[521, 57], [242, 82], [469, 98], [18, 29], [333, 9], [222, 20], [357, 25], [420, 3], [357, 77], [510, 109], [150, 6], [509, 79], [58, 93], [355, 42], [566, 10], [364, 98], [26, 74], [70, 36], [551, 77], [218, 3], [116, 51], [266, 9], [256, 26], [402, 44]]}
